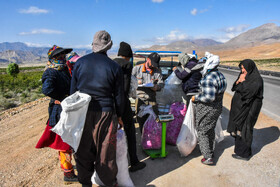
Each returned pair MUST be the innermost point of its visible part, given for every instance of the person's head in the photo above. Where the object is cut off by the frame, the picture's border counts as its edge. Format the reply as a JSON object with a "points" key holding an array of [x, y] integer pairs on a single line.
{"points": [[153, 60], [101, 42], [125, 51], [247, 66], [184, 58], [57, 53]]}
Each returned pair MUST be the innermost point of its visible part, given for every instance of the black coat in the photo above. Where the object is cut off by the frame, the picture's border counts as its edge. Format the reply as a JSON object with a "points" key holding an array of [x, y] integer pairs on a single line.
{"points": [[126, 69], [190, 80], [99, 76], [56, 84], [246, 102]]}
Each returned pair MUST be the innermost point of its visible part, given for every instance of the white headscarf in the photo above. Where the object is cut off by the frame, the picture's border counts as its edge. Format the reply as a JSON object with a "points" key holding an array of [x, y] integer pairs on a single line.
{"points": [[211, 62]]}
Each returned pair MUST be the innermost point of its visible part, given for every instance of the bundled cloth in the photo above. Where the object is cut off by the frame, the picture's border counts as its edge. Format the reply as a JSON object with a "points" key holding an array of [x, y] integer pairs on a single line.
{"points": [[152, 130], [72, 118], [123, 177], [173, 128], [187, 138]]}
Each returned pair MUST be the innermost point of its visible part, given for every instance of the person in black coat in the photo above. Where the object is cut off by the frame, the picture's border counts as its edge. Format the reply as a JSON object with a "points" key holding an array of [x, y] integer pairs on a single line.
{"points": [[56, 84], [100, 77], [125, 54], [245, 108]]}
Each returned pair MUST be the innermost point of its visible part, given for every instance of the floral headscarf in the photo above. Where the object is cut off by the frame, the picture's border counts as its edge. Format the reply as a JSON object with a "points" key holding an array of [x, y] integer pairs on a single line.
{"points": [[55, 63]]}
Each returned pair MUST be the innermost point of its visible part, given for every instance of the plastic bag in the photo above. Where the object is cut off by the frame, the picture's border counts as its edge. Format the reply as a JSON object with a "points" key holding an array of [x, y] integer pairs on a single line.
{"points": [[152, 130], [172, 79], [72, 118], [187, 138], [133, 87], [173, 128], [219, 134], [171, 92], [123, 177]]}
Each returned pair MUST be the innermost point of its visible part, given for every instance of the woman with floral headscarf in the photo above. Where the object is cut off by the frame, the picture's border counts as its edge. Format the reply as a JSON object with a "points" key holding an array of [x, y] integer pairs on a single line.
{"points": [[245, 108], [209, 104], [56, 84], [71, 59]]}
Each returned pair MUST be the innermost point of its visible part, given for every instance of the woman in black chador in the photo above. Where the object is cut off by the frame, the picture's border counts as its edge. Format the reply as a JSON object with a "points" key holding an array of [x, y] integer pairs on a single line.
{"points": [[245, 108]]}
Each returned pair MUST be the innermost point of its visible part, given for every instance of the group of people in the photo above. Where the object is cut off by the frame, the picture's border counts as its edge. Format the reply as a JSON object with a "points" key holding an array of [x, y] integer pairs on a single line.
{"points": [[107, 81]]}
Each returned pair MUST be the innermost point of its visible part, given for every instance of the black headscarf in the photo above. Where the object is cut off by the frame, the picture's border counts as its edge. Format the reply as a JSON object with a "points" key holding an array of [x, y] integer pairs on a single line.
{"points": [[253, 81]]}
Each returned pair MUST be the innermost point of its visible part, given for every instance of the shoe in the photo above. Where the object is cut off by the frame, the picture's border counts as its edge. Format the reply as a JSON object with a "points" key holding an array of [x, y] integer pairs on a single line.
{"points": [[207, 161], [70, 177], [136, 167], [239, 157]]}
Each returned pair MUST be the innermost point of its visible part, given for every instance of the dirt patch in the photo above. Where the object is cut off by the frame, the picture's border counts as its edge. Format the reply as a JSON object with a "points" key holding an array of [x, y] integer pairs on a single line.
{"points": [[23, 165]]}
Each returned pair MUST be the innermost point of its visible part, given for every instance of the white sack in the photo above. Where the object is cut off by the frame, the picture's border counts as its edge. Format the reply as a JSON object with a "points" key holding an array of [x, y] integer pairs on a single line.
{"points": [[219, 134], [187, 138], [72, 118], [123, 177]]}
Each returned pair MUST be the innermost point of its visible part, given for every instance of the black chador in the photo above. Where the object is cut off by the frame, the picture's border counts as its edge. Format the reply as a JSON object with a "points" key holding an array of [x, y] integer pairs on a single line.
{"points": [[245, 108]]}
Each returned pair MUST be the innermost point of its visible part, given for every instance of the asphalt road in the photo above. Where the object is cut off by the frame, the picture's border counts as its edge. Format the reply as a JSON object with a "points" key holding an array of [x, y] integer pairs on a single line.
{"points": [[271, 102]]}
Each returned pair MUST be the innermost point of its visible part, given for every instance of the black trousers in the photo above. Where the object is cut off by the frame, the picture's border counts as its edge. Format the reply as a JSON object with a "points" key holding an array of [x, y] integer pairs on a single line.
{"points": [[129, 129]]}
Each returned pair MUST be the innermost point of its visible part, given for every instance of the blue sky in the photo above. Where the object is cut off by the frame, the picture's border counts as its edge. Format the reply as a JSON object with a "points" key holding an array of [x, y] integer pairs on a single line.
{"points": [[142, 23]]}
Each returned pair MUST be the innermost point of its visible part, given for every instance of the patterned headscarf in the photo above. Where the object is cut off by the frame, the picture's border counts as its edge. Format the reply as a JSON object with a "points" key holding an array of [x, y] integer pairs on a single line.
{"points": [[54, 63]]}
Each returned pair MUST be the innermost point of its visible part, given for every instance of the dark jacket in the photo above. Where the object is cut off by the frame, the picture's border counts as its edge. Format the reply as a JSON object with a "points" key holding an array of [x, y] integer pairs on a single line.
{"points": [[56, 84], [126, 69], [99, 76], [189, 79]]}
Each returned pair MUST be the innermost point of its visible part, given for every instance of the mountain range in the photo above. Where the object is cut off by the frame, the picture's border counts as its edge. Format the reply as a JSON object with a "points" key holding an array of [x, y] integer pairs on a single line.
{"points": [[266, 37]]}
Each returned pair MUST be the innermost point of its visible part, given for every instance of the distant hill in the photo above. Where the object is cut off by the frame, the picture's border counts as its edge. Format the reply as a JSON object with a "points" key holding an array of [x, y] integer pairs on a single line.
{"points": [[21, 53], [185, 45], [265, 34], [258, 42]]}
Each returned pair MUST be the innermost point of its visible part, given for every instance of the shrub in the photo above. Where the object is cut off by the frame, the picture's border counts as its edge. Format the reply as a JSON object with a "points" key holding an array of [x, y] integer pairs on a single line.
{"points": [[13, 69]]}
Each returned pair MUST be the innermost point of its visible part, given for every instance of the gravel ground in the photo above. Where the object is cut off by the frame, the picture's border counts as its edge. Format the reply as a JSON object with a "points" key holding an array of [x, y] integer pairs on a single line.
{"points": [[23, 165]]}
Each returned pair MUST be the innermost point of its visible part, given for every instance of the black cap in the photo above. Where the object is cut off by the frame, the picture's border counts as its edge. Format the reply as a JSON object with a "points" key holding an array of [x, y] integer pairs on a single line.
{"points": [[125, 50], [56, 50], [155, 58]]}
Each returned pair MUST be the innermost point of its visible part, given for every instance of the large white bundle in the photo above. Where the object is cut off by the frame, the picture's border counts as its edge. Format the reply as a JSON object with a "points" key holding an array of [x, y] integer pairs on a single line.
{"points": [[72, 118]]}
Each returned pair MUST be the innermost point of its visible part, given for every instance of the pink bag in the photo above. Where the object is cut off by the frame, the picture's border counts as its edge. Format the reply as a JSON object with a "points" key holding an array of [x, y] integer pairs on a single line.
{"points": [[173, 128], [151, 136]]}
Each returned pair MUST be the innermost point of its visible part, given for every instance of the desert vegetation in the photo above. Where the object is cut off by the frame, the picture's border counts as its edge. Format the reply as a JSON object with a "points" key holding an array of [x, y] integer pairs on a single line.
{"points": [[23, 88]]}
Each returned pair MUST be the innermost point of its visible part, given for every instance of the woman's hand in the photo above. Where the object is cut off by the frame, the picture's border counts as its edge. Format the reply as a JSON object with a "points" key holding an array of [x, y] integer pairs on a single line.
{"points": [[193, 98], [174, 68], [57, 102], [241, 78], [120, 122]]}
